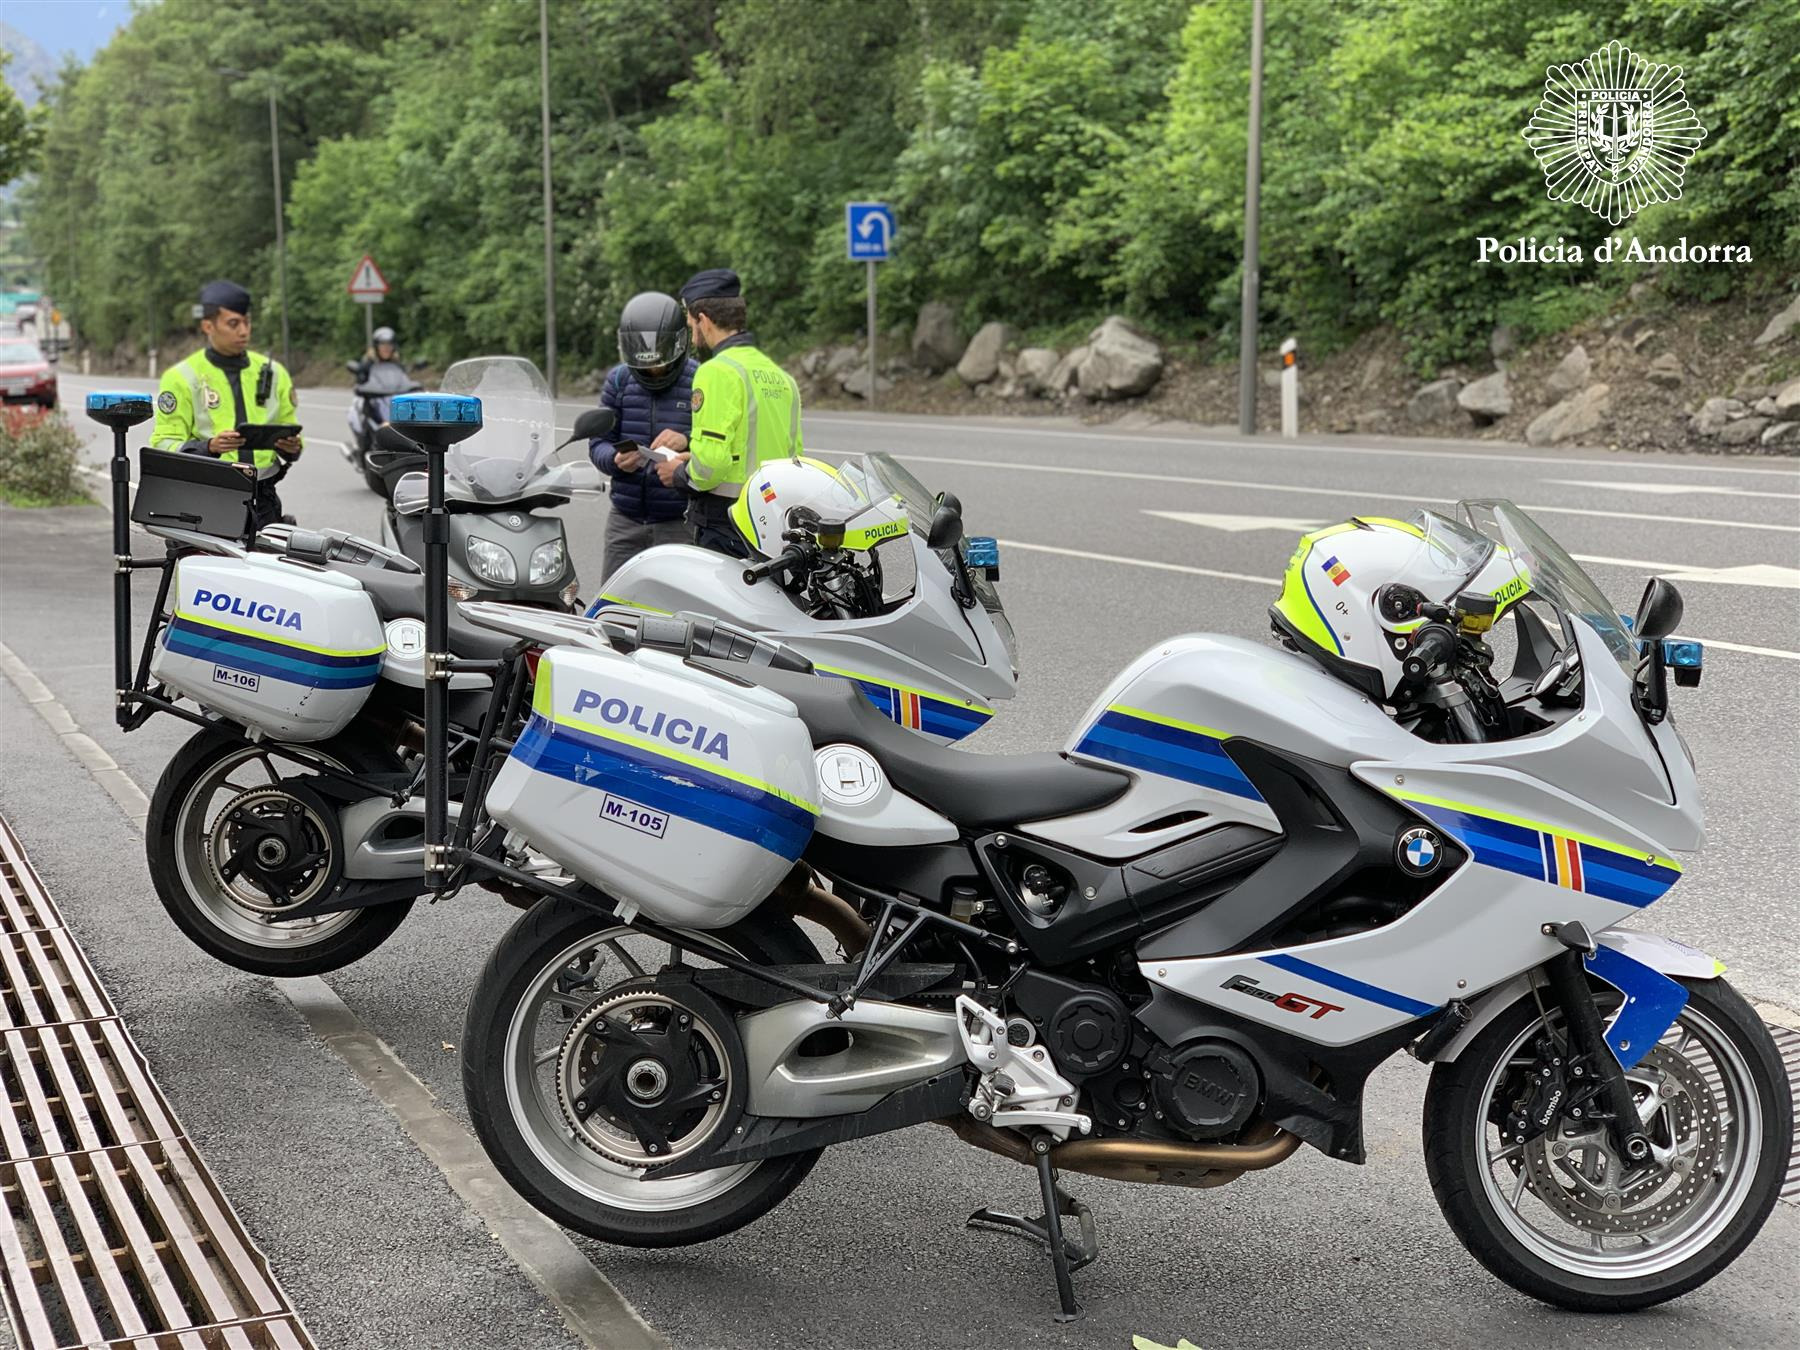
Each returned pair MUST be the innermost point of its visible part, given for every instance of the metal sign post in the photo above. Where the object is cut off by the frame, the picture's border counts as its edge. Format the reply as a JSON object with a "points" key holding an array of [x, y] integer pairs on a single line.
{"points": [[869, 238], [368, 288]]}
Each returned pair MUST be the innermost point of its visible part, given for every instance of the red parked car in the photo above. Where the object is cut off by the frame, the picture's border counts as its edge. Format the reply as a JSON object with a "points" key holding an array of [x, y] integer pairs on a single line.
{"points": [[25, 376]]}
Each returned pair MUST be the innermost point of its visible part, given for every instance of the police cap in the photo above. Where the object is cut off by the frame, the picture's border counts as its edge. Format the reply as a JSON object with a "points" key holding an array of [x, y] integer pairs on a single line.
{"points": [[715, 283], [225, 295]]}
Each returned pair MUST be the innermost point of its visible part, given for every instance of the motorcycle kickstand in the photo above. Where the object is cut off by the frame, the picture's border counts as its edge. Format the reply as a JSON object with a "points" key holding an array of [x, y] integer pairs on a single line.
{"points": [[1067, 1253]]}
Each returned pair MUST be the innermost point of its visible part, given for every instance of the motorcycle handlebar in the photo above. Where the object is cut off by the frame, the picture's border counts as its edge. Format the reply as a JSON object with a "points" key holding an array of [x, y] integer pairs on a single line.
{"points": [[758, 571], [1434, 645]]}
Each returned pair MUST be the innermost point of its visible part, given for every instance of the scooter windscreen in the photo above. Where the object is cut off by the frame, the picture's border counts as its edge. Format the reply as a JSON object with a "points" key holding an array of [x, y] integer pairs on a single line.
{"points": [[518, 432]]}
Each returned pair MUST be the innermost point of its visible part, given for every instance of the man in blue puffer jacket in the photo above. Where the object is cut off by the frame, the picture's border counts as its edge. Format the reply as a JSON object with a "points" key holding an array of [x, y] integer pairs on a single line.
{"points": [[651, 390]]}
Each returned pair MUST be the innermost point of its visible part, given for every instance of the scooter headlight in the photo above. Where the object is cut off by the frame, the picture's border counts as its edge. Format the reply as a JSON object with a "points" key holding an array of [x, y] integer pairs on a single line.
{"points": [[547, 562], [490, 561]]}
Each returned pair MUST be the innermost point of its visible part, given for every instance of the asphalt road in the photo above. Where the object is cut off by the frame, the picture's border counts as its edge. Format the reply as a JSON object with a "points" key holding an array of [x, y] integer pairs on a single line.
{"points": [[870, 1251]]}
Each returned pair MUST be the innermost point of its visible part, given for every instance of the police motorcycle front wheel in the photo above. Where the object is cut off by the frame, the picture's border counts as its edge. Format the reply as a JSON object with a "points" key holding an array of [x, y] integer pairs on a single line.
{"points": [[235, 837], [583, 1070], [1558, 1213]]}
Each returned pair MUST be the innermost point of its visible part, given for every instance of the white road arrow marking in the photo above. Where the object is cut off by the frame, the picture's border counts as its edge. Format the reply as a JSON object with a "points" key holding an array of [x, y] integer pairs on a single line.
{"points": [[1673, 489], [1746, 574], [1240, 524]]}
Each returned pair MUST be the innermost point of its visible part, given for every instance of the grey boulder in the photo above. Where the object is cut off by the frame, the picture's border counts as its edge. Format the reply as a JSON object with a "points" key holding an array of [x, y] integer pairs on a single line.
{"points": [[1121, 362], [1435, 402], [1577, 415], [1779, 326], [981, 359], [1488, 399], [1571, 373], [935, 345]]}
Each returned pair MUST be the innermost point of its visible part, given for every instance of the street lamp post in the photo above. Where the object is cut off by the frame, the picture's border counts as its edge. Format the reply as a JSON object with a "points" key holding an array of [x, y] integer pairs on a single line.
{"points": [[280, 223], [1252, 201], [549, 219]]}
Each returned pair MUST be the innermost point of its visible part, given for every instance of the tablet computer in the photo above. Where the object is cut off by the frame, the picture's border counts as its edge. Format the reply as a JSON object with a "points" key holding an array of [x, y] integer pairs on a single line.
{"points": [[263, 435]]}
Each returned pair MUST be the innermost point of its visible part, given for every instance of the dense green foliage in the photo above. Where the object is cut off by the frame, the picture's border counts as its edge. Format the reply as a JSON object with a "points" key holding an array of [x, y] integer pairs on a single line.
{"points": [[1050, 160], [18, 138], [39, 455]]}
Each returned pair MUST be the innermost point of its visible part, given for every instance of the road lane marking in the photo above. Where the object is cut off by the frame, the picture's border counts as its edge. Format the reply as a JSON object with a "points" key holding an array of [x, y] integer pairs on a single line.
{"points": [[1157, 565], [1252, 443], [1749, 574], [1006, 466], [589, 1303], [1673, 489]]}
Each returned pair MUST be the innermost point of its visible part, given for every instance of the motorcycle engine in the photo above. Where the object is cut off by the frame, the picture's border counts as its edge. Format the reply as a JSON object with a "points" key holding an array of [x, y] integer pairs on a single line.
{"points": [[1210, 1091]]}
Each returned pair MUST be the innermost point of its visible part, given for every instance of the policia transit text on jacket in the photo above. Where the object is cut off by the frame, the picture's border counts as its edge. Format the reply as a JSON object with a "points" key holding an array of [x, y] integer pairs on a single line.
{"points": [[746, 409], [203, 400]]}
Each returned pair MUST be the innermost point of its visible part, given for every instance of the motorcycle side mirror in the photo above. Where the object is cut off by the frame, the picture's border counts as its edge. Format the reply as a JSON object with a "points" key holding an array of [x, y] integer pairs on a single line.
{"points": [[591, 425], [354, 367], [946, 524], [1659, 612]]}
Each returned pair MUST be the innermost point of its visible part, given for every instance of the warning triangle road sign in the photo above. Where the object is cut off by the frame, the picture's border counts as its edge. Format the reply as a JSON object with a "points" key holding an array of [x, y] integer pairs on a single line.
{"points": [[367, 283]]}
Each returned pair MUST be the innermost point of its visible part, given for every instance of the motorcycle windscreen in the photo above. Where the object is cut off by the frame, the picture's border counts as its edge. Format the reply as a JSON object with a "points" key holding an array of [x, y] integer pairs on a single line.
{"points": [[518, 430]]}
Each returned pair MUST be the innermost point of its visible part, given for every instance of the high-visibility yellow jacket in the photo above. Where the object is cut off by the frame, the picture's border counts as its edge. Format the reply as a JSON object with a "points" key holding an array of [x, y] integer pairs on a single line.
{"points": [[746, 410], [200, 398]]}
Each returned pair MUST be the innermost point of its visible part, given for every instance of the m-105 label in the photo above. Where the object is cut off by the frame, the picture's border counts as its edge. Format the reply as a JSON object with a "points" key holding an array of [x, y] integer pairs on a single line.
{"points": [[634, 816]]}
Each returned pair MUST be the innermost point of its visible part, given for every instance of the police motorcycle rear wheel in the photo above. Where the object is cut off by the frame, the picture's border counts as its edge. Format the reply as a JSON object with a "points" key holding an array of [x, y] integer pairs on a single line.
{"points": [[579, 1074], [234, 837], [1561, 1216]]}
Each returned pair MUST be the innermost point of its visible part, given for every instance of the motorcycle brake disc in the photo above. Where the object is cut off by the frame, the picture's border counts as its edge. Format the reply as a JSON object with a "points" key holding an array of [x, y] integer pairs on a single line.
{"points": [[283, 840], [1580, 1177]]}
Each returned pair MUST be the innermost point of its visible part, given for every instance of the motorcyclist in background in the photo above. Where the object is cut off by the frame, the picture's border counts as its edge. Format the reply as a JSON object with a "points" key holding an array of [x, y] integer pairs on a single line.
{"points": [[651, 391], [383, 346]]}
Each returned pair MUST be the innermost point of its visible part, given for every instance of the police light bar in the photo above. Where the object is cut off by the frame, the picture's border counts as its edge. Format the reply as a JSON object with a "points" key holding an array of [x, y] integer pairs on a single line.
{"points": [[120, 408], [436, 419]]}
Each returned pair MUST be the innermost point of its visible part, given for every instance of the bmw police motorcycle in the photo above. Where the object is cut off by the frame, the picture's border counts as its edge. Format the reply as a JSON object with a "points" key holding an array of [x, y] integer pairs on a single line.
{"points": [[1170, 952], [287, 837]]}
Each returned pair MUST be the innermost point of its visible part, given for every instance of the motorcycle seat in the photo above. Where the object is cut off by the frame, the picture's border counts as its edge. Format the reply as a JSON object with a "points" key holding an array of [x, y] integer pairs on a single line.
{"points": [[401, 595], [974, 790]]}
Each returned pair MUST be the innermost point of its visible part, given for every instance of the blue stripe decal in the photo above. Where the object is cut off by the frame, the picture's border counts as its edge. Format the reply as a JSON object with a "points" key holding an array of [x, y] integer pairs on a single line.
{"points": [[1346, 985], [937, 717], [1611, 874], [723, 804], [275, 646], [290, 667], [1173, 752]]}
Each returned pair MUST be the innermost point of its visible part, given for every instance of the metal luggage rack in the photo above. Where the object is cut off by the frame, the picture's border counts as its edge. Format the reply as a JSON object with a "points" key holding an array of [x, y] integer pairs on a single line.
{"points": [[112, 1231]]}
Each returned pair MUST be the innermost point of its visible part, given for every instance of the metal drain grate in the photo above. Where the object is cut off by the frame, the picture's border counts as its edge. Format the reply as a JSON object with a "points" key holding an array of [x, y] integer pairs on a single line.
{"points": [[112, 1231], [1788, 1042]]}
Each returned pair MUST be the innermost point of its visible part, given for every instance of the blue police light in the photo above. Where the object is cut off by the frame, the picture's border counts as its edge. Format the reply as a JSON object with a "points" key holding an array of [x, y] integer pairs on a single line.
{"points": [[1683, 654], [120, 408], [1685, 659], [436, 419], [435, 410], [983, 552]]}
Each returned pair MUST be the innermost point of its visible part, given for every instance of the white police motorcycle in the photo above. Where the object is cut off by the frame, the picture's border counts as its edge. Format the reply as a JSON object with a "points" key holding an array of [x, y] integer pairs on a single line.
{"points": [[1171, 953]]}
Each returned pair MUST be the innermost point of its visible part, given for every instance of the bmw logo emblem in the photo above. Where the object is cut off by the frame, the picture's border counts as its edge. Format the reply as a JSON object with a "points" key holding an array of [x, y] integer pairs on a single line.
{"points": [[1419, 851]]}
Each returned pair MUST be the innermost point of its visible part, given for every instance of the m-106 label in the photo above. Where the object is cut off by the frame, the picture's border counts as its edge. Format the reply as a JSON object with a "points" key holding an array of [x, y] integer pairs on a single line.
{"points": [[634, 816], [237, 679]]}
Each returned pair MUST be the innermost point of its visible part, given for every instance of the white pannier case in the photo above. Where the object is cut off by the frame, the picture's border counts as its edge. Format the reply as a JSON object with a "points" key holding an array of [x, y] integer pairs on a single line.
{"points": [[286, 649], [680, 794]]}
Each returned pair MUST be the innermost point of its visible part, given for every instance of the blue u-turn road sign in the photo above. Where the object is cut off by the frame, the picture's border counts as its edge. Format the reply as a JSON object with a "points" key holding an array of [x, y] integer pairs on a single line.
{"points": [[869, 231]]}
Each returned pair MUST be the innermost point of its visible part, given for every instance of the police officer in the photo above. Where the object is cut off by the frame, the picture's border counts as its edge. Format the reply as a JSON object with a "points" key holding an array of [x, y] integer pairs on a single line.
{"points": [[746, 409], [223, 386]]}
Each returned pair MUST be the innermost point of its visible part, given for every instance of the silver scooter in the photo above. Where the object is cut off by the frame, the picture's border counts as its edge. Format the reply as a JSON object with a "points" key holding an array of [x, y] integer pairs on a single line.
{"points": [[497, 484]]}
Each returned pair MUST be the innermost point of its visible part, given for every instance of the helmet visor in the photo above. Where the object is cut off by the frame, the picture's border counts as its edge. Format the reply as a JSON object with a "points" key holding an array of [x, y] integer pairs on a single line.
{"points": [[652, 350]]}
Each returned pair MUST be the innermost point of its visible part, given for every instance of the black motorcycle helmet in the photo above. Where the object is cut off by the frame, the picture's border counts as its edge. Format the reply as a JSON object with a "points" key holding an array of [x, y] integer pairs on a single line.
{"points": [[653, 339]]}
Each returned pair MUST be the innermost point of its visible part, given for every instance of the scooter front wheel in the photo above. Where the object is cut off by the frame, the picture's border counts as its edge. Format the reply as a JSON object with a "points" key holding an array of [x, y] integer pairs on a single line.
{"points": [[219, 802], [1562, 1216]]}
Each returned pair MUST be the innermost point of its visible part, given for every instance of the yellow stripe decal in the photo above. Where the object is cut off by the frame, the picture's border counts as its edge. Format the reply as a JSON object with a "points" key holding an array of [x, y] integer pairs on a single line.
{"points": [[1526, 823], [886, 683], [1162, 720]]}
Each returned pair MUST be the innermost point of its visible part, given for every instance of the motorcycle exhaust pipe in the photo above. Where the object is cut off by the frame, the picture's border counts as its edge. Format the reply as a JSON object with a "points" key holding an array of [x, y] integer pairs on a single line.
{"points": [[802, 897], [1153, 1162]]}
